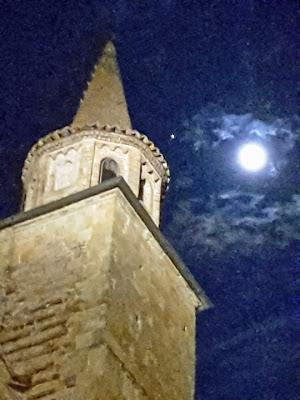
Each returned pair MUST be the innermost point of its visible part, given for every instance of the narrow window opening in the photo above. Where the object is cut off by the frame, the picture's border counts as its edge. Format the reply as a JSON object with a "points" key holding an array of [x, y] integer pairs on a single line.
{"points": [[108, 169], [142, 189], [24, 195]]}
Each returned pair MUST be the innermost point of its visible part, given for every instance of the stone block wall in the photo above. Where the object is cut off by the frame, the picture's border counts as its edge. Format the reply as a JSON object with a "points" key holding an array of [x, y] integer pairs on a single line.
{"points": [[157, 338], [91, 308]]}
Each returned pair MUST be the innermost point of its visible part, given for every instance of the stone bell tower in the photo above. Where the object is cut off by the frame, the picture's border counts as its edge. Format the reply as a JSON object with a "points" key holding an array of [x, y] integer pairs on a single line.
{"points": [[94, 302]]}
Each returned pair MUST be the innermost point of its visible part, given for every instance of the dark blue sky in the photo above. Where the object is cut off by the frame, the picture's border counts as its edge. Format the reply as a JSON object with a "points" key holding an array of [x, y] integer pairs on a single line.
{"points": [[214, 74]]}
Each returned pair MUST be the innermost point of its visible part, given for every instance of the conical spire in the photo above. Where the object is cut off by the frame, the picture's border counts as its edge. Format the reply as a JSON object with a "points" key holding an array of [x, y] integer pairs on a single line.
{"points": [[104, 100]]}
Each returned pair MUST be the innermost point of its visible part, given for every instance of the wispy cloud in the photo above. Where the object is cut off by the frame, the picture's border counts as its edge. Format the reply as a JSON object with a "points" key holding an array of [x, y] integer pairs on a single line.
{"points": [[236, 218], [212, 127], [236, 222]]}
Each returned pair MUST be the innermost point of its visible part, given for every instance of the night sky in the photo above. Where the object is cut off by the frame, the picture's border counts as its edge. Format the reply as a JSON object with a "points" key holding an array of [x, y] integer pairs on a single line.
{"points": [[201, 78]]}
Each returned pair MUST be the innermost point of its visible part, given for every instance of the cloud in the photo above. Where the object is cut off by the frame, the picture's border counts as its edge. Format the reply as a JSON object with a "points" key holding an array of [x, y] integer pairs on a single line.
{"points": [[236, 222], [234, 218], [211, 128]]}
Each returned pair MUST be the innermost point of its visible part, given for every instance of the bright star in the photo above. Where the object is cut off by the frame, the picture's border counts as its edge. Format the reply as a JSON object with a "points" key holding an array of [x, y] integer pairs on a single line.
{"points": [[252, 157]]}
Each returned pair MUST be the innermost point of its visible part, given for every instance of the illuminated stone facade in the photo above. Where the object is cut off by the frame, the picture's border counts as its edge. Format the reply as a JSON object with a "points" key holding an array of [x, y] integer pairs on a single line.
{"points": [[95, 304], [69, 160]]}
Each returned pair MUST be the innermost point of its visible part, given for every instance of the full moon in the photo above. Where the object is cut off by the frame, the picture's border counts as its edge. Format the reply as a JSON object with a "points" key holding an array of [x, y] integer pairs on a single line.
{"points": [[252, 157]]}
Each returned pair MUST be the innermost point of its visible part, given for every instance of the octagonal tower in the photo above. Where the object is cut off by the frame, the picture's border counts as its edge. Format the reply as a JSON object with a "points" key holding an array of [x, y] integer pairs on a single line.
{"points": [[98, 145]]}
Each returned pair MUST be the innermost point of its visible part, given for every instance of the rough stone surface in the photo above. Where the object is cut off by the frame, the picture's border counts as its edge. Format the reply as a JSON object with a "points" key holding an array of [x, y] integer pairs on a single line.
{"points": [[73, 163], [104, 99], [91, 308]]}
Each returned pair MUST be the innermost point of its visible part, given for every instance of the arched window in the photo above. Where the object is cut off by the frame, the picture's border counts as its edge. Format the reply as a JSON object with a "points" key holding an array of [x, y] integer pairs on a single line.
{"points": [[108, 169]]}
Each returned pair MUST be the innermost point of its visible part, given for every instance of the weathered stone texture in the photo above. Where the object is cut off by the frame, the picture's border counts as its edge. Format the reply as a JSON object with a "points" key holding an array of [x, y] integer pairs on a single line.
{"points": [[91, 308], [72, 163], [104, 99], [157, 339]]}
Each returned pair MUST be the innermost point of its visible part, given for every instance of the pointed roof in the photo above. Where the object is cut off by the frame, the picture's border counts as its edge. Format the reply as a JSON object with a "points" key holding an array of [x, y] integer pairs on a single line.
{"points": [[104, 100]]}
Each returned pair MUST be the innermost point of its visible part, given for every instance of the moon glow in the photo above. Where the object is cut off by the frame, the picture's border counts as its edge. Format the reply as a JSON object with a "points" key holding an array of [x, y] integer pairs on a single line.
{"points": [[252, 157]]}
